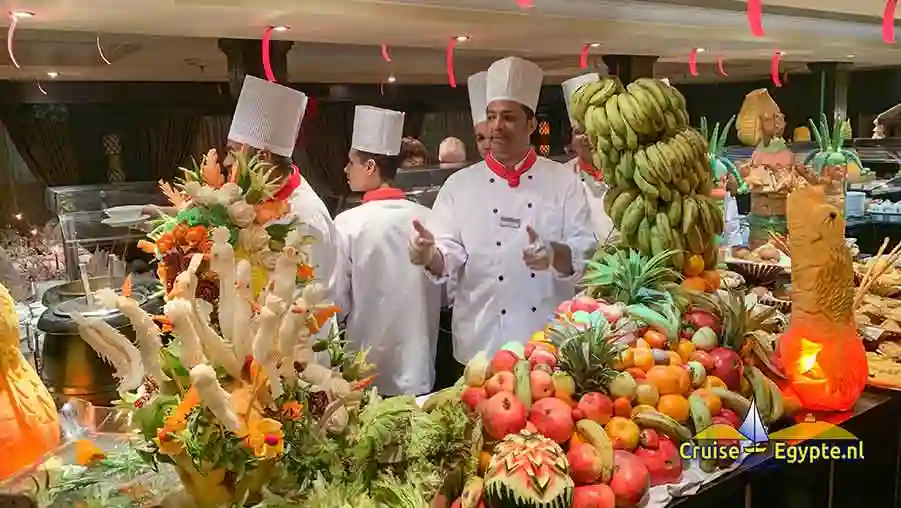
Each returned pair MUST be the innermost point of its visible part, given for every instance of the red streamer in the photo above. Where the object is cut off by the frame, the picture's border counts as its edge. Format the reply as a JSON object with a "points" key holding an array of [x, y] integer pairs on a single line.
{"points": [[755, 17], [888, 21], [386, 56], [10, 33], [774, 68], [719, 67], [583, 58], [693, 62], [267, 61], [524, 4], [449, 62]]}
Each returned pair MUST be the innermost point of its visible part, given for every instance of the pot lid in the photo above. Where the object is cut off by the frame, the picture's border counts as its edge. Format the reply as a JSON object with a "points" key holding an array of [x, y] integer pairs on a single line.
{"points": [[81, 305]]}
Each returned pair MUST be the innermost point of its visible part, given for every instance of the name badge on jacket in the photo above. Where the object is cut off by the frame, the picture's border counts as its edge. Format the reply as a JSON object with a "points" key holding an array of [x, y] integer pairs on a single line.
{"points": [[510, 222]]}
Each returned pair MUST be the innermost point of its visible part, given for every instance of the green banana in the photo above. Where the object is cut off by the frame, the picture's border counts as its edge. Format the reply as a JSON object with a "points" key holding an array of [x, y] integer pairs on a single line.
{"points": [[661, 167], [644, 237], [650, 208], [618, 141], [626, 167], [700, 413], [761, 391], [696, 242], [620, 205], [609, 198], [631, 138], [654, 319], [674, 211], [607, 90], [734, 401], [778, 403], [648, 104], [602, 143], [580, 100], [654, 87], [632, 216], [646, 188], [627, 109], [617, 123], [689, 213], [666, 194], [708, 228], [679, 246], [600, 121], [657, 241], [643, 166]]}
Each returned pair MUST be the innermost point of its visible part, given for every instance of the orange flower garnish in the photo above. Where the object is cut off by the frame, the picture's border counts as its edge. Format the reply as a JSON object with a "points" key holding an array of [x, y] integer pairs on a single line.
{"points": [[363, 383], [175, 197], [164, 322], [87, 452], [188, 402], [292, 410], [324, 314], [148, 247], [212, 171], [270, 211], [306, 272], [196, 235]]}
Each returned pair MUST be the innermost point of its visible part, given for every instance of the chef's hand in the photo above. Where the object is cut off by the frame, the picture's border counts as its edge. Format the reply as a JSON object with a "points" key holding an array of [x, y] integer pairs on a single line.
{"points": [[537, 255], [422, 247]]}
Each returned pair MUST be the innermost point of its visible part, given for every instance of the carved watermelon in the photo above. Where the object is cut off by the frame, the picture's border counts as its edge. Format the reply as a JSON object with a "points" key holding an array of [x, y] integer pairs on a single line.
{"points": [[528, 470]]}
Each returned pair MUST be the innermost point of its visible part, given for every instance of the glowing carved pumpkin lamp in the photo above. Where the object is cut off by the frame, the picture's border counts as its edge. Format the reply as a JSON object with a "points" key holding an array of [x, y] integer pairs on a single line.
{"points": [[821, 353], [29, 423]]}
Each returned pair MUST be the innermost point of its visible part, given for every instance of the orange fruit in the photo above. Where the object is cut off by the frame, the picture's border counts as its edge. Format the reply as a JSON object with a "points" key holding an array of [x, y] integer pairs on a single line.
{"points": [[625, 359], [674, 358], [622, 406], [637, 374], [674, 406], [643, 359], [712, 278], [685, 349], [664, 378], [623, 432], [565, 397], [484, 461], [714, 403], [684, 379], [655, 339], [694, 265], [576, 440], [695, 284], [714, 382], [642, 344]]}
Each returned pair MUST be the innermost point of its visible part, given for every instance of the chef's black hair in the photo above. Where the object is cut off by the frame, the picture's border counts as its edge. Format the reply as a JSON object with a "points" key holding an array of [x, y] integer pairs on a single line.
{"points": [[528, 111], [387, 164]]}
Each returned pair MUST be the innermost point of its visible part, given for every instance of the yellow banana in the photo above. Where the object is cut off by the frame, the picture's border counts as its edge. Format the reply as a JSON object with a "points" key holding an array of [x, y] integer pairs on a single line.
{"points": [[580, 99], [661, 168], [631, 138], [646, 188], [648, 105], [617, 124], [607, 90], [654, 87], [643, 166], [622, 202], [689, 214]]}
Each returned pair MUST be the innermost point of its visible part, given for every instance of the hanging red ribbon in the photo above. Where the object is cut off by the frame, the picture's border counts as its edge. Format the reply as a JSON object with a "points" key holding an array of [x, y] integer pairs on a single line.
{"points": [[449, 62], [386, 56], [267, 61], [10, 33], [755, 17], [693, 62], [524, 4], [719, 67], [583, 58], [888, 21], [774, 68]]}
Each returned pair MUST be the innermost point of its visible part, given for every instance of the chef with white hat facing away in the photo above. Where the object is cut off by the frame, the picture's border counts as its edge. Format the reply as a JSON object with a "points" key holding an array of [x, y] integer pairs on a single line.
{"points": [[392, 307], [593, 178], [514, 228], [267, 120], [477, 84]]}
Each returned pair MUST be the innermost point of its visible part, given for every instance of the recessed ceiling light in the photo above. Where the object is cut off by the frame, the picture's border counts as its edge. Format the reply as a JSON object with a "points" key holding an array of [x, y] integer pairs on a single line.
{"points": [[281, 28], [595, 44], [782, 53], [52, 74], [700, 50], [850, 56], [391, 79], [21, 14], [462, 38]]}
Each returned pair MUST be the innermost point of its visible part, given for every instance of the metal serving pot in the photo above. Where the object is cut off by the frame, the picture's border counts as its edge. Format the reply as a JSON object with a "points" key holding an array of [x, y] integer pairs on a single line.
{"points": [[68, 365], [75, 289]]}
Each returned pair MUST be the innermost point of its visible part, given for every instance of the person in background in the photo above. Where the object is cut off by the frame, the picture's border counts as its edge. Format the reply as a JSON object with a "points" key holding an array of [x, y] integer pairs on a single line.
{"points": [[451, 153], [476, 85], [412, 153], [514, 229], [592, 178], [392, 308]]}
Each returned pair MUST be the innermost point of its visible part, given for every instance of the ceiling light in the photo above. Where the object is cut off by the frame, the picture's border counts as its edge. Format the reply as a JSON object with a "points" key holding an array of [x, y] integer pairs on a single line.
{"points": [[700, 50], [21, 14], [391, 79], [782, 53], [595, 44], [52, 74], [462, 38], [34, 232], [18, 216], [850, 56], [281, 28]]}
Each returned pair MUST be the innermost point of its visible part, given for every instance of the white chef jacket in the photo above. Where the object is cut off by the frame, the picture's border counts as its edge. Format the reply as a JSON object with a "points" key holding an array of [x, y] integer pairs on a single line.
{"points": [[479, 223], [601, 223], [732, 230], [392, 307]]}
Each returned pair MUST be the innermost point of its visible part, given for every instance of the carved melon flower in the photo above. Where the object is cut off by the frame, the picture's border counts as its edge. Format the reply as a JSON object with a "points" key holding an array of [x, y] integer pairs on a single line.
{"points": [[265, 258], [253, 239], [241, 213], [200, 194]]}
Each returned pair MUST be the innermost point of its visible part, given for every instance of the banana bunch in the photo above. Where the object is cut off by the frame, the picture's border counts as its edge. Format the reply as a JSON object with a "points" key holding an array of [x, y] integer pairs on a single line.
{"points": [[655, 165]]}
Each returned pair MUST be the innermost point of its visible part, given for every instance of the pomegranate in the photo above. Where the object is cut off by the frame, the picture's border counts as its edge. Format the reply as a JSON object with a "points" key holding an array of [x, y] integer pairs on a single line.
{"points": [[528, 349], [542, 385], [727, 366], [706, 361], [501, 382], [542, 357], [503, 361], [649, 438], [663, 463], [585, 304], [565, 308], [594, 496], [458, 503], [553, 418], [698, 319], [577, 414], [473, 396], [503, 414], [596, 406], [631, 479], [584, 463], [731, 416]]}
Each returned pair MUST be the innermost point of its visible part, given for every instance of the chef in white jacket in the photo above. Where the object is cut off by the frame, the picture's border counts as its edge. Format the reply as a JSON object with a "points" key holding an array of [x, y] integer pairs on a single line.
{"points": [[476, 85], [592, 178], [514, 228], [391, 306]]}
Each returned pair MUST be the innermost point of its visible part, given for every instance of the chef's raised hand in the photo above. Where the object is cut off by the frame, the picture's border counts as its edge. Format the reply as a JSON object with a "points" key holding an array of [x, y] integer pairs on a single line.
{"points": [[422, 247], [537, 255]]}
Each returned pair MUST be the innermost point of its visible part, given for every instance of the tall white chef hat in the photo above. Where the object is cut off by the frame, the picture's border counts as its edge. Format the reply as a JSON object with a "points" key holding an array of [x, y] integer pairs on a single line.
{"points": [[514, 79], [571, 85], [268, 116], [377, 130], [478, 103]]}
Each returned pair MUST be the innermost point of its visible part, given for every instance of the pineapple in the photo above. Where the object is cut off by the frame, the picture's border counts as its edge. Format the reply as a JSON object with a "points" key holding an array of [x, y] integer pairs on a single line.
{"points": [[629, 277], [528, 471], [587, 355], [256, 176]]}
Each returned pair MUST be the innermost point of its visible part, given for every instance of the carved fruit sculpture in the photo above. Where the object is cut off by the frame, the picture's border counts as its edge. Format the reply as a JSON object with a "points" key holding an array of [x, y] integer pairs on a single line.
{"points": [[528, 471], [29, 423]]}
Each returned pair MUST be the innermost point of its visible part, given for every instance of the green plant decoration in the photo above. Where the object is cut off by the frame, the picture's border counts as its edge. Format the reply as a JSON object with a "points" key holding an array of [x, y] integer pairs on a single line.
{"points": [[830, 143], [716, 153]]}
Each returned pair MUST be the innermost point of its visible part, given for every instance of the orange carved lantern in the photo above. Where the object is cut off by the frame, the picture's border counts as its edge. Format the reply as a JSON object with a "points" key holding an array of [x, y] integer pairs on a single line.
{"points": [[821, 353]]}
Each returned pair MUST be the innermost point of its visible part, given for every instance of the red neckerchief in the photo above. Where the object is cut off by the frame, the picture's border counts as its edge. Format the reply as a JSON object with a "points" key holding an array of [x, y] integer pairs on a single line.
{"points": [[589, 169], [290, 185], [383, 194], [512, 176]]}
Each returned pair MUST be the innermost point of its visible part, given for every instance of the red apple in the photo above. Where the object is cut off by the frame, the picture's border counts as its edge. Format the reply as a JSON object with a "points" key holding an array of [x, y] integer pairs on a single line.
{"points": [[649, 438], [503, 361], [596, 406], [501, 382], [585, 464], [473, 396], [631, 479], [663, 464], [699, 318], [594, 496], [542, 356], [730, 415]]}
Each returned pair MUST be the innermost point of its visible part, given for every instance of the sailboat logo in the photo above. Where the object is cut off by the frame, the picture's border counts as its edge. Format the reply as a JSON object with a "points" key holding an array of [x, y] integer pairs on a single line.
{"points": [[752, 427]]}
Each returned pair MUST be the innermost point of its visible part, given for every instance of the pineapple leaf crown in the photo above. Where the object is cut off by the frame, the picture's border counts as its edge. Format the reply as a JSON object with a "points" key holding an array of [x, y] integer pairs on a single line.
{"points": [[587, 354], [625, 275], [737, 319], [830, 143], [716, 152]]}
